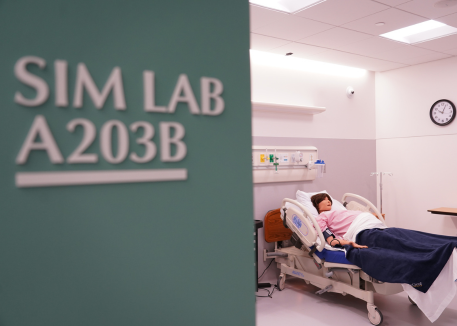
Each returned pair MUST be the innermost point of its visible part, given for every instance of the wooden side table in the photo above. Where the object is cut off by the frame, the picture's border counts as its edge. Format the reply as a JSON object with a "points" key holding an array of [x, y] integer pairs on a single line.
{"points": [[444, 211]]}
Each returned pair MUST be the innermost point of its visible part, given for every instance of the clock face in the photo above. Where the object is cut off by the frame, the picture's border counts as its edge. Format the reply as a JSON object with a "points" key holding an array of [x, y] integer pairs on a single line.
{"points": [[442, 112]]}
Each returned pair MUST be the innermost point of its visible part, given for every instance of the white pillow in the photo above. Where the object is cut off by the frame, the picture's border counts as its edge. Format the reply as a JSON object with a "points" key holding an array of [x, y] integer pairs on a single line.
{"points": [[304, 198]]}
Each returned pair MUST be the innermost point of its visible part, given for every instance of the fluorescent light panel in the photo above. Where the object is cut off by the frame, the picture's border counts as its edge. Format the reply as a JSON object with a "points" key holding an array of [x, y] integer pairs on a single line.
{"points": [[422, 32], [289, 62], [288, 6]]}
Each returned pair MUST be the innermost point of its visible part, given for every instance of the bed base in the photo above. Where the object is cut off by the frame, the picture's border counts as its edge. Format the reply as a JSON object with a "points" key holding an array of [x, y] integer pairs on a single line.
{"points": [[332, 277]]}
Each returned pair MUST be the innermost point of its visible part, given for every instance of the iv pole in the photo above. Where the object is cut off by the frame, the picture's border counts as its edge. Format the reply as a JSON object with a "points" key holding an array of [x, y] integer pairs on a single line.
{"points": [[380, 182]]}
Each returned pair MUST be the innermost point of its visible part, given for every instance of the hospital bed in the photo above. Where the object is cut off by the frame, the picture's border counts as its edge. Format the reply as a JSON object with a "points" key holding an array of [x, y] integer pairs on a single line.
{"points": [[327, 269]]}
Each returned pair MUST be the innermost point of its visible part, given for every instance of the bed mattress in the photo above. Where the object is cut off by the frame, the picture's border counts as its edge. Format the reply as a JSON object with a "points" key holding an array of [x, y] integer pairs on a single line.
{"points": [[331, 256]]}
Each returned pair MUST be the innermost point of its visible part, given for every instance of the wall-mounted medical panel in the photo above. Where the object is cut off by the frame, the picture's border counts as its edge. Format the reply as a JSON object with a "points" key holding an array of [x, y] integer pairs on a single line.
{"points": [[283, 163]]}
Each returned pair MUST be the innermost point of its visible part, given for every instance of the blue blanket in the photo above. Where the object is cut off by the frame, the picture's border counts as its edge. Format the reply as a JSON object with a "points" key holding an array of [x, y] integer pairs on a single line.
{"points": [[397, 255]]}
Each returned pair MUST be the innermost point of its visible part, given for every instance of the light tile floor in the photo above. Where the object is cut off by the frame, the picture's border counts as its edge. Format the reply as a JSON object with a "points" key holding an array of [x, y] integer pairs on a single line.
{"points": [[297, 304]]}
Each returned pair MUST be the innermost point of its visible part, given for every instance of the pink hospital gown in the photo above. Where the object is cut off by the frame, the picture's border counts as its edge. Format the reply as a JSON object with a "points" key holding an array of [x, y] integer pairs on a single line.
{"points": [[338, 222]]}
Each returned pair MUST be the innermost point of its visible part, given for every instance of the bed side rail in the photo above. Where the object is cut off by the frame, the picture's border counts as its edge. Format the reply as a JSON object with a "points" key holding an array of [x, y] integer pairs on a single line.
{"points": [[307, 213], [368, 204]]}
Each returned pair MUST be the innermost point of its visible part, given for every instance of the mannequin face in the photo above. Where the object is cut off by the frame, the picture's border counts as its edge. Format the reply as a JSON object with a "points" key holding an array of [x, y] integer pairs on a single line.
{"points": [[325, 205]]}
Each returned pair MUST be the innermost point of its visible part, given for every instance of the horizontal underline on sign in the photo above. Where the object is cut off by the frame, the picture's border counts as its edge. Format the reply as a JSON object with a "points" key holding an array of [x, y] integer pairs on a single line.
{"points": [[75, 178]]}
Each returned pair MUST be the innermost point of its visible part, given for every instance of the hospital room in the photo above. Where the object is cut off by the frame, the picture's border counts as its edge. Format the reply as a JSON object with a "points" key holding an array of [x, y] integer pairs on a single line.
{"points": [[228, 163], [348, 100]]}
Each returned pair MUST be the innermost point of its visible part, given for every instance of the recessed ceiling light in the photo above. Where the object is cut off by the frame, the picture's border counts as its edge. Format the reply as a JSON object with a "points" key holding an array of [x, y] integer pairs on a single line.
{"points": [[380, 24], [422, 32], [445, 3], [294, 63], [288, 6]]}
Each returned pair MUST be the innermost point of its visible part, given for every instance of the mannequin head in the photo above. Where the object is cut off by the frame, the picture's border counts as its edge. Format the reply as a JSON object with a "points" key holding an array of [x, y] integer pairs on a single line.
{"points": [[322, 202]]}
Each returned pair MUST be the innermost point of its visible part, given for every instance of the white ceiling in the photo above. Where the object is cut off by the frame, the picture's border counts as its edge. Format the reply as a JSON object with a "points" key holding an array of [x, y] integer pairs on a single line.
{"points": [[344, 32]]}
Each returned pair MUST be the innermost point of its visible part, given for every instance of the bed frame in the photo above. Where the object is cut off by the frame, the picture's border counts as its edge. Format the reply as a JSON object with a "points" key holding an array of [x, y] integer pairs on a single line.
{"points": [[302, 262]]}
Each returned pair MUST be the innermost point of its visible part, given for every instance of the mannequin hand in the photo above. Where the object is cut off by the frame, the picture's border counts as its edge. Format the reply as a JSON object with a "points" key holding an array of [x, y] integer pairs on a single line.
{"points": [[355, 245]]}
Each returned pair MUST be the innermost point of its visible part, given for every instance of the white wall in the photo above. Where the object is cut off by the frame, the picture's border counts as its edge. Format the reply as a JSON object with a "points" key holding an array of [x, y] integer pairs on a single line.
{"points": [[422, 155], [345, 118], [344, 135]]}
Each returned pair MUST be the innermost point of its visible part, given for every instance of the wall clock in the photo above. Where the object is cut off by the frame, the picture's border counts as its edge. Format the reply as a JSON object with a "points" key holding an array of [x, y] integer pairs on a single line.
{"points": [[442, 112]]}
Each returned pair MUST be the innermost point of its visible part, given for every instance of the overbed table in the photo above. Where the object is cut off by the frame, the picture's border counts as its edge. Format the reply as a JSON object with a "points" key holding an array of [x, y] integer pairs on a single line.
{"points": [[444, 211]]}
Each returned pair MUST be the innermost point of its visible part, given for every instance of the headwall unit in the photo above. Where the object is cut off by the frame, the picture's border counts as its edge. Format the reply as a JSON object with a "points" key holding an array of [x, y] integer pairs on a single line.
{"points": [[284, 163]]}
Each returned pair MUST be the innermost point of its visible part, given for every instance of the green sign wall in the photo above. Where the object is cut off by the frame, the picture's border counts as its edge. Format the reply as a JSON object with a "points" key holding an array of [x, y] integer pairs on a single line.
{"points": [[126, 183]]}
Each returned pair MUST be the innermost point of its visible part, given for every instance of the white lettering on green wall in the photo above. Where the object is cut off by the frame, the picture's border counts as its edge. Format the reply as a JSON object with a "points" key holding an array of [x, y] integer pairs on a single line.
{"points": [[84, 81], [29, 79], [211, 89], [40, 129], [172, 145]]}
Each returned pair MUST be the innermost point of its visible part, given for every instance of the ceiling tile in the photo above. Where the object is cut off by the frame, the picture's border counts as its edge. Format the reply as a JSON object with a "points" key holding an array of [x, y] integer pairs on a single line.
{"points": [[427, 9], [451, 51], [392, 3], [338, 12], [300, 50], [335, 38], [353, 60], [336, 57], [260, 16], [393, 19], [408, 53], [440, 44], [372, 46], [290, 27], [265, 43], [426, 58], [389, 66], [450, 20]]}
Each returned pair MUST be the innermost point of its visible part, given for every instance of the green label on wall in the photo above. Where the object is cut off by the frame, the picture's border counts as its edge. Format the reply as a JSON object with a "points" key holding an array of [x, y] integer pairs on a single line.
{"points": [[126, 188]]}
